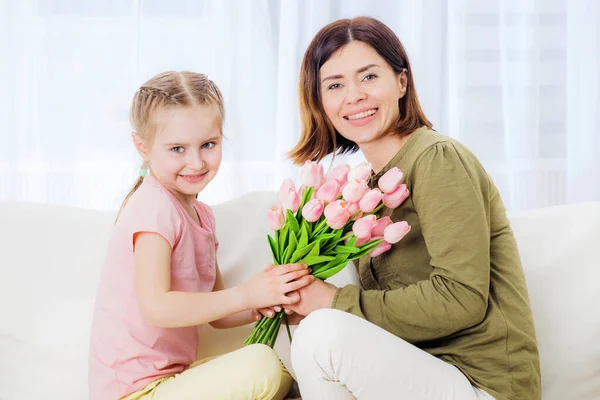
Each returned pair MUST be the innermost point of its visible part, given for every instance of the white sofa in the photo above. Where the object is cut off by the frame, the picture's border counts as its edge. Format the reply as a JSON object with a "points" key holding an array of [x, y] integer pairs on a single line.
{"points": [[51, 259]]}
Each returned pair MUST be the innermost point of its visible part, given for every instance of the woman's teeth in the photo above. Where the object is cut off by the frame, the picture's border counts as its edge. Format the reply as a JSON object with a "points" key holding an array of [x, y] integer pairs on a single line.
{"points": [[363, 114]]}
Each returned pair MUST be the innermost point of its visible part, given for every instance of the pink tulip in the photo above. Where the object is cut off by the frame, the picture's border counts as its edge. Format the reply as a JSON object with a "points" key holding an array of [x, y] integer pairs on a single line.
{"points": [[380, 226], [380, 249], [329, 191], [312, 210], [397, 197], [363, 227], [361, 241], [339, 173], [286, 187], [312, 174], [370, 200], [291, 201], [337, 214], [361, 172], [353, 209], [276, 218], [390, 180], [395, 232], [354, 190]]}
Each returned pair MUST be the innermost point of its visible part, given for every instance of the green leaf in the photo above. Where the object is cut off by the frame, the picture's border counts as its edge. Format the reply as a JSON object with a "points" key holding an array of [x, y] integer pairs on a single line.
{"points": [[320, 228], [274, 249], [290, 249], [316, 249], [291, 221], [303, 239], [339, 258], [301, 252], [352, 242], [365, 249], [307, 194], [283, 237], [316, 259], [325, 236], [346, 249], [308, 226], [326, 274]]}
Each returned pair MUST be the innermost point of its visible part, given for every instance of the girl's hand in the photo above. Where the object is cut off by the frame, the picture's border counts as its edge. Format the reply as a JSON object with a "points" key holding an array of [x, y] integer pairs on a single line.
{"points": [[268, 312], [276, 285]]}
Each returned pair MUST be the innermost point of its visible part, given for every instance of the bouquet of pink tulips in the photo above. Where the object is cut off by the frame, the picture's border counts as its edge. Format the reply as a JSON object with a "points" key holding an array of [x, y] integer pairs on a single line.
{"points": [[331, 220]]}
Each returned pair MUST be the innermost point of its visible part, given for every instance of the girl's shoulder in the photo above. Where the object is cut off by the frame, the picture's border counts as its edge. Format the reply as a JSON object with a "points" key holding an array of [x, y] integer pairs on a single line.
{"points": [[152, 208]]}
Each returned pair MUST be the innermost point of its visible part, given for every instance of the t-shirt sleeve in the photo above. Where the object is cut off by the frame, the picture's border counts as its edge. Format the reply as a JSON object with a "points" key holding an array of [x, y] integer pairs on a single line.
{"points": [[155, 212]]}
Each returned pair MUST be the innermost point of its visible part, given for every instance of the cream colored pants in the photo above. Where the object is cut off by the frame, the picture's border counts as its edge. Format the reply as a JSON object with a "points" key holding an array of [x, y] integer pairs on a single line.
{"points": [[250, 373], [339, 356]]}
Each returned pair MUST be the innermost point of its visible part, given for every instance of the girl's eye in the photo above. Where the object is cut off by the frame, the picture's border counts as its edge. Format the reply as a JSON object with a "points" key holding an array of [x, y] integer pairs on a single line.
{"points": [[177, 149], [208, 145], [370, 77], [334, 86]]}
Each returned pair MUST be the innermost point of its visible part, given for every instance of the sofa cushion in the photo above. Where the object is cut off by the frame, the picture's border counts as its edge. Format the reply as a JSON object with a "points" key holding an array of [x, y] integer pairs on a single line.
{"points": [[559, 249]]}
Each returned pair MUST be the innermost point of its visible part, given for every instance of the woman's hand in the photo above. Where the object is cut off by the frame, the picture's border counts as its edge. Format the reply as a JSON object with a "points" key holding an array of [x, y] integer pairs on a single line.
{"points": [[276, 285], [317, 295]]}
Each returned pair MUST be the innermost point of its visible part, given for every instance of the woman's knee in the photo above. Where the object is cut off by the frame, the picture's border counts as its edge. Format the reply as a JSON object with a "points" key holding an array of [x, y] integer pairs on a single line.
{"points": [[321, 328]]}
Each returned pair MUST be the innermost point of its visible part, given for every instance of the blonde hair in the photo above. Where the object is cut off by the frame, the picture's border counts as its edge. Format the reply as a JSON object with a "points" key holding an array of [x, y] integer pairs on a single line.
{"points": [[167, 90]]}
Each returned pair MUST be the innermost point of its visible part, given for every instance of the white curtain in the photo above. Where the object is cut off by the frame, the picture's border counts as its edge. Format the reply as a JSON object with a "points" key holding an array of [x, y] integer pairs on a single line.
{"points": [[517, 81]]}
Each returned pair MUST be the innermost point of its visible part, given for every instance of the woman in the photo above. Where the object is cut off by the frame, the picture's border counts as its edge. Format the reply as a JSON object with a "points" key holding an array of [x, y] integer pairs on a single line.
{"points": [[443, 315]]}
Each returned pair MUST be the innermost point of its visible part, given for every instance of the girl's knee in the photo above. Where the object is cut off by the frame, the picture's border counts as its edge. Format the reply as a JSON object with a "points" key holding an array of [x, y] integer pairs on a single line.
{"points": [[266, 367]]}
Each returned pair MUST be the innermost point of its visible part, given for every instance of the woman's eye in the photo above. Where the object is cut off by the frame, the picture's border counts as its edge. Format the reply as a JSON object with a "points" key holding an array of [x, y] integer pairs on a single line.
{"points": [[370, 77], [208, 145], [177, 149], [334, 86]]}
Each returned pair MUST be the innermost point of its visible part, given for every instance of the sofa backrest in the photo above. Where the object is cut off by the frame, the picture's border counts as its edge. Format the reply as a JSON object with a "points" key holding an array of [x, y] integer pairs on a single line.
{"points": [[52, 256]]}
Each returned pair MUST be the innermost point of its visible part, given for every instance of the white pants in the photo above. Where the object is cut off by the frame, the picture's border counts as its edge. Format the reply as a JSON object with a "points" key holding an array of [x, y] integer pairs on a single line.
{"points": [[339, 356]]}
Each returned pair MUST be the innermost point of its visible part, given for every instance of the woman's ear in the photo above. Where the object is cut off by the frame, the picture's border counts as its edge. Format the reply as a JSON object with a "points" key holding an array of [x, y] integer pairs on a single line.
{"points": [[140, 146], [402, 82]]}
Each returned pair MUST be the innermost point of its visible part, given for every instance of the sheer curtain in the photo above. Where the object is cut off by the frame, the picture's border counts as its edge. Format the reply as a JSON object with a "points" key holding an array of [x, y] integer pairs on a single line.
{"points": [[515, 80]]}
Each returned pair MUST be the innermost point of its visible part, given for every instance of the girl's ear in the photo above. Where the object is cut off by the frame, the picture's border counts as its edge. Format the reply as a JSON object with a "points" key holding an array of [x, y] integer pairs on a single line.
{"points": [[140, 146]]}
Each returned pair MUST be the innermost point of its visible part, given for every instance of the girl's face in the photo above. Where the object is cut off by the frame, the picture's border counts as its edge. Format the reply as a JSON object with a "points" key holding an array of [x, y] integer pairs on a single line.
{"points": [[186, 152], [360, 92]]}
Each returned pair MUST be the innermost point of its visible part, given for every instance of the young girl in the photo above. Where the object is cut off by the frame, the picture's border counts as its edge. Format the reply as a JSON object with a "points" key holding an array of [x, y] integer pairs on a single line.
{"points": [[161, 279]]}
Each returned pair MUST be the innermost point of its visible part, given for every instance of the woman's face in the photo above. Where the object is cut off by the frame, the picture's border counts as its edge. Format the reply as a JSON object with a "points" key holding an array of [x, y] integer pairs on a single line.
{"points": [[360, 92]]}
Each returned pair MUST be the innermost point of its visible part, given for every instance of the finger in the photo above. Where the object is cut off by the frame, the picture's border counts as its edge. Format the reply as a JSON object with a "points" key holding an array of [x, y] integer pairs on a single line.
{"points": [[288, 311], [290, 276], [276, 308], [287, 268], [256, 315], [269, 267], [291, 298], [300, 283], [267, 312]]}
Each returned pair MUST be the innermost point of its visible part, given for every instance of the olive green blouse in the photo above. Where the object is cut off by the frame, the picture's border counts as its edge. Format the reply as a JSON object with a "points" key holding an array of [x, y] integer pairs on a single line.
{"points": [[454, 286]]}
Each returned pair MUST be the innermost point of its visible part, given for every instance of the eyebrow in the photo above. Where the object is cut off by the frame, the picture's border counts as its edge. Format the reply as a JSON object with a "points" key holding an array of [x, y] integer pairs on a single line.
{"points": [[358, 71], [175, 144]]}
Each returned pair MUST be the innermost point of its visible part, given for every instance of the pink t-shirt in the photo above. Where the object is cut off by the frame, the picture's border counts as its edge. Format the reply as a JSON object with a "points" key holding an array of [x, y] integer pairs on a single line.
{"points": [[126, 354]]}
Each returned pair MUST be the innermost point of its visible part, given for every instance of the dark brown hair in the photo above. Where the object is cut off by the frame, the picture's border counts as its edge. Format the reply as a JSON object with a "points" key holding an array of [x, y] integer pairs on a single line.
{"points": [[319, 138]]}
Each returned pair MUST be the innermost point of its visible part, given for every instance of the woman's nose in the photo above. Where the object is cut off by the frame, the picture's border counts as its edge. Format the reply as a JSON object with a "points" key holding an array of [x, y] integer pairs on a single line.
{"points": [[355, 93]]}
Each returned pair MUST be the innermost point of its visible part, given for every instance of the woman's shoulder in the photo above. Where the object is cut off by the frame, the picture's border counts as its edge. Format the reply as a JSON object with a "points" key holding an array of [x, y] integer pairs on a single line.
{"points": [[431, 145]]}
